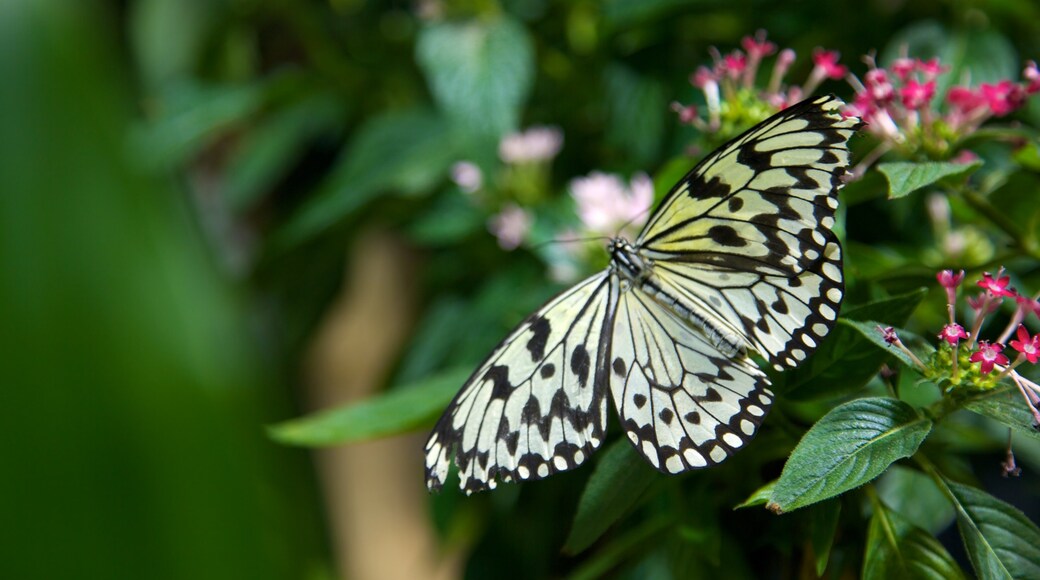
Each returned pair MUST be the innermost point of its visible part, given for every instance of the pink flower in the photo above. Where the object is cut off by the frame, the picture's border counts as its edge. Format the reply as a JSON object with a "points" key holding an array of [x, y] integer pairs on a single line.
{"points": [[702, 77], [950, 281], [952, 333], [902, 67], [917, 95], [688, 114], [1003, 97], [965, 156], [964, 100], [826, 62], [733, 64], [757, 46], [888, 334], [606, 204], [998, 286], [982, 302], [510, 226], [1028, 346], [1028, 306], [878, 86], [931, 68], [1032, 74], [467, 176], [532, 145], [989, 355]]}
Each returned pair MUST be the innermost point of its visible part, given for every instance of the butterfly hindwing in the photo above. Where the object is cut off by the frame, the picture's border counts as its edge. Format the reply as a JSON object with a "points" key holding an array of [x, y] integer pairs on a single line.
{"points": [[537, 405], [747, 235], [683, 404]]}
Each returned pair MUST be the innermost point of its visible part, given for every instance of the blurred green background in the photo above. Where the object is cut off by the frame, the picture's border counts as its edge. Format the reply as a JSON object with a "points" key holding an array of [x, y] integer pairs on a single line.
{"points": [[186, 187]]}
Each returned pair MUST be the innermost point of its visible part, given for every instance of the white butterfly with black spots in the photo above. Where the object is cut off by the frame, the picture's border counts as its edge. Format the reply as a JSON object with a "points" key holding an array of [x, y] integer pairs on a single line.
{"points": [[740, 256]]}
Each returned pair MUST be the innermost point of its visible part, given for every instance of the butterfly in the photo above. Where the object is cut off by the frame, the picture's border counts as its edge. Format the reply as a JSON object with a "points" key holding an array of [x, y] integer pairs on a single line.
{"points": [[739, 257]]}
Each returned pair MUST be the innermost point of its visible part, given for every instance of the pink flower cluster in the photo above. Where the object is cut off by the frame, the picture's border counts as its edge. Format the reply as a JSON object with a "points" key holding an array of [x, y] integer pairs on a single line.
{"points": [[987, 355], [735, 73], [899, 102]]}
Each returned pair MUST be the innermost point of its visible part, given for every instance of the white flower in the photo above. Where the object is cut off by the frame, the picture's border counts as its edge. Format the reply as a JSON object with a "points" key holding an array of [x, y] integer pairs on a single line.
{"points": [[606, 204], [467, 176], [534, 144], [510, 226]]}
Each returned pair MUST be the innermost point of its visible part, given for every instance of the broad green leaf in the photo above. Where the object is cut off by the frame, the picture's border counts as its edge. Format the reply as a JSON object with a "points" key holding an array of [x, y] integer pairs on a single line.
{"points": [[1000, 540], [914, 495], [905, 177], [1006, 405], [823, 526], [268, 152], [634, 541], [846, 359], [870, 331], [403, 152], [615, 486], [849, 446], [760, 496], [480, 72], [898, 549], [398, 411]]}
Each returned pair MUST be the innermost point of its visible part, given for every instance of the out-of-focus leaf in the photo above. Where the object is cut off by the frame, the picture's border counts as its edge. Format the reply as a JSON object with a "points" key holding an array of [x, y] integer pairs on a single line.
{"points": [[823, 526], [451, 219], [168, 36], [268, 152], [905, 177], [1000, 540], [846, 360], [760, 496], [1004, 404], [615, 486], [634, 541], [480, 72], [914, 495], [898, 549], [398, 411], [404, 152], [637, 110], [849, 446], [623, 13], [1028, 156]]}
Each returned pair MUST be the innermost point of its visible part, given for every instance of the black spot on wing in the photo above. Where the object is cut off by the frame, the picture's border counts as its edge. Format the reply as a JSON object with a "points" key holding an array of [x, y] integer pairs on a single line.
{"points": [[619, 367], [540, 330], [581, 364], [499, 377], [666, 415], [639, 400], [548, 370], [714, 188], [693, 417], [726, 236]]}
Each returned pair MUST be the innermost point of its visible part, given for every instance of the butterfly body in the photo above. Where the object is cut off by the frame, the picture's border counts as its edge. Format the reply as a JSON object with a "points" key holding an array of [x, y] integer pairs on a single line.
{"points": [[739, 257]]}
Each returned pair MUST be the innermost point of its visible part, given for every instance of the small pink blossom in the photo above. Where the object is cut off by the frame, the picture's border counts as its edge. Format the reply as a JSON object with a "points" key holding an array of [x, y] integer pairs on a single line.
{"points": [[534, 144], [732, 65], [989, 355], [953, 333], [688, 114], [964, 100], [826, 61], [1032, 74], [982, 305], [467, 176], [1027, 306], [757, 46], [1003, 97], [879, 88], [902, 67], [606, 204], [888, 334], [965, 157], [702, 77], [917, 95], [510, 226], [1028, 346], [930, 68], [950, 280], [996, 286]]}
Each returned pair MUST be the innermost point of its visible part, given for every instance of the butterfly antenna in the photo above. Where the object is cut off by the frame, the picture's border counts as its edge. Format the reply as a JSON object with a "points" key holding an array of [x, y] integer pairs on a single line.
{"points": [[638, 216]]}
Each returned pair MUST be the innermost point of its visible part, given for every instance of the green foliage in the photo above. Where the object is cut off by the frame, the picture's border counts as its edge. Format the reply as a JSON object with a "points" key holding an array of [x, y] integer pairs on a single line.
{"points": [[905, 177], [1001, 541], [849, 446], [898, 549]]}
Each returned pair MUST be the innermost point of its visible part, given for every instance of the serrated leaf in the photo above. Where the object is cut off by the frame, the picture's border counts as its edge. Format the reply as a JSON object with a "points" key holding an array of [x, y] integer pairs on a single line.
{"points": [[615, 486], [1000, 540], [1004, 404], [823, 526], [480, 72], [846, 360], [898, 549], [905, 177], [403, 151], [398, 411], [849, 446], [759, 497]]}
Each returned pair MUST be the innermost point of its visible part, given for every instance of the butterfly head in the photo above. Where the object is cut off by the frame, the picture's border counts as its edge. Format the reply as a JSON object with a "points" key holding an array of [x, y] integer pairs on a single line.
{"points": [[626, 258]]}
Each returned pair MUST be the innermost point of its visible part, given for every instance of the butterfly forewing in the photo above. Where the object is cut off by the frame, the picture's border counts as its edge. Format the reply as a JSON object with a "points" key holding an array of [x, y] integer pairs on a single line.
{"points": [[537, 404], [746, 236]]}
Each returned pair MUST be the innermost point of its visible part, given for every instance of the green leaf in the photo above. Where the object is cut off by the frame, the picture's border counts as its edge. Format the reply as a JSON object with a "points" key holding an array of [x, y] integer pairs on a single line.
{"points": [[914, 495], [823, 526], [480, 72], [1004, 404], [905, 177], [1000, 540], [849, 446], [898, 549], [614, 488], [760, 496], [634, 541], [637, 110], [404, 152], [869, 330], [401, 410], [846, 360]]}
